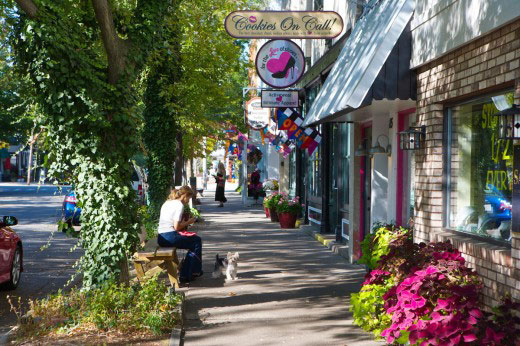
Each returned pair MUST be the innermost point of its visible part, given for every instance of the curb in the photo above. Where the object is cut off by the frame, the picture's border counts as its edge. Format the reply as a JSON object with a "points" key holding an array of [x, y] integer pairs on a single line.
{"points": [[336, 247], [177, 335], [4, 339]]}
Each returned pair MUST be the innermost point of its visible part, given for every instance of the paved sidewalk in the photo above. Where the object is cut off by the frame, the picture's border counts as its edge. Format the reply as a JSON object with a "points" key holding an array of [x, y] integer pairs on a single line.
{"points": [[291, 289]]}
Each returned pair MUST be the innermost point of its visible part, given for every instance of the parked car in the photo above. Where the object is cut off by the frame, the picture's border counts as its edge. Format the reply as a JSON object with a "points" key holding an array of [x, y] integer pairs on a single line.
{"points": [[11, 253], [494, 220], [71, 213]]}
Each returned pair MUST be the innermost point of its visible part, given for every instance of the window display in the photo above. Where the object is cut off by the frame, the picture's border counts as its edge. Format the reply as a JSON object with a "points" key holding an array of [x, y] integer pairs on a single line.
{"points": [[480, 181]]}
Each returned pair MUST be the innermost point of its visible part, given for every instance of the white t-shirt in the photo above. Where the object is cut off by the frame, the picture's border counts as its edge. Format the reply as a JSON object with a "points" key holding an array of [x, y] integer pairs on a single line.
{"points": [[171, 211]]}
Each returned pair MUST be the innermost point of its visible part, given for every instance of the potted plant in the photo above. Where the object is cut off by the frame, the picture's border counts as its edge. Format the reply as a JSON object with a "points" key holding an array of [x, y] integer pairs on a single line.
{"points": [[265, 203], [272, 202], [271, 185], [288, 211]]}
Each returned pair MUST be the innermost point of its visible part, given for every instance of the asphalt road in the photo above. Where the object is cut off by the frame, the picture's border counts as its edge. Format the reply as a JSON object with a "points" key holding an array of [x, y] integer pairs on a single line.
{"points": [[45, 271]]}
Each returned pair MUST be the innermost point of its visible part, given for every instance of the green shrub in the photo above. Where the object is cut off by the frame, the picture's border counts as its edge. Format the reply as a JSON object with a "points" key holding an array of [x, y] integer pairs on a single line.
{"points": [[148, 222], [368, 308], [147, 307], [376, 244]]}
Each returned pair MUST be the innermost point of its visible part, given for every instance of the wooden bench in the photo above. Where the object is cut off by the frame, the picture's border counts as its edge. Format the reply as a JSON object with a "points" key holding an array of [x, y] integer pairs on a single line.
{"points": [[163, 257]]}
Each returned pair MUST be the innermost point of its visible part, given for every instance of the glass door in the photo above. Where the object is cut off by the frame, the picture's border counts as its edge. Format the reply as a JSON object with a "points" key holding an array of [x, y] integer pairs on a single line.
{"points": [[335, 161]]}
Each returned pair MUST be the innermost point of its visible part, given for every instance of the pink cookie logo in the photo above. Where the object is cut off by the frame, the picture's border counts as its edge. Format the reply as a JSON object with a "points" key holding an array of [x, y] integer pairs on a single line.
{"points": [[279, 99], [252, 19]]}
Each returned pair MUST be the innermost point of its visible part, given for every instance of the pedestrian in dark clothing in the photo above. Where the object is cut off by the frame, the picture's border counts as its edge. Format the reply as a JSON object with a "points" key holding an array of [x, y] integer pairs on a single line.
{"points": [[221, 183]]}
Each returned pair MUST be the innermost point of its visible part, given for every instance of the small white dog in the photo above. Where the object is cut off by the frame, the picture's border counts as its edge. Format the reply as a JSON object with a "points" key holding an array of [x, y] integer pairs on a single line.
{"points": [[229, 265]]}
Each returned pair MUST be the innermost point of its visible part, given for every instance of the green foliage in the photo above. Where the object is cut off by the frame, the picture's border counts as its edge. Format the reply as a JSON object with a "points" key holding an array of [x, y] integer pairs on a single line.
{"points": [[376, 244], [90, 123], [368, 308], [160, 128], [149, 223], [272, 200], [192, 212], [148, 308]]}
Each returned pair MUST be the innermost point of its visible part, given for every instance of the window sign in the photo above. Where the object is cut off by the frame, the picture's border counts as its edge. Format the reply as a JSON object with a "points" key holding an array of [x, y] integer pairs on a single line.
{"points": [[481, 176]]}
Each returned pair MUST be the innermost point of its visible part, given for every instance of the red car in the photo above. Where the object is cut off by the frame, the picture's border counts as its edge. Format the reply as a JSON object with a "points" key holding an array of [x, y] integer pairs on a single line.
{"points": [[11, 253]]}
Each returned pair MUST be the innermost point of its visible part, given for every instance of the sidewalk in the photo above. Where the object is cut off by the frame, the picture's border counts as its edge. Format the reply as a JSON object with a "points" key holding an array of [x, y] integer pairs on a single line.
{"points": [[291, 289]]}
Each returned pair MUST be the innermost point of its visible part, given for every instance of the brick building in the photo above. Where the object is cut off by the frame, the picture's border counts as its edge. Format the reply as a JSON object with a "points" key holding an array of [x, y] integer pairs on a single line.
{"points": [[463, 177]]}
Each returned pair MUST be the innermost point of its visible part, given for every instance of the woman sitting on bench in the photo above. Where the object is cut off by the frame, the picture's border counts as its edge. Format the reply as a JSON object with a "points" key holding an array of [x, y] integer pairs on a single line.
{"points": [[171, 223]]}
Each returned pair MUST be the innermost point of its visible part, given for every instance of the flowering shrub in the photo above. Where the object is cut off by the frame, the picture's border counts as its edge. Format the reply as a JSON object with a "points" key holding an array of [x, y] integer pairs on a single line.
{"points": [[424, 294], [272, 200], [436, 305], [271, 184], [292, 206]]}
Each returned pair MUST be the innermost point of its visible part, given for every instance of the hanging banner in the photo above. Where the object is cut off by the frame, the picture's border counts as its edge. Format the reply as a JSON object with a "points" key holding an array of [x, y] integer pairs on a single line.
{"points": [[280, 63], [280, 98], [286, 117], [257, 117], [284, 24]]}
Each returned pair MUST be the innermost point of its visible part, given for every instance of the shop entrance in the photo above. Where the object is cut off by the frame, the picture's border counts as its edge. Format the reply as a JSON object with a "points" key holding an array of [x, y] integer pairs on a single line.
{"points": [[366, 183]]}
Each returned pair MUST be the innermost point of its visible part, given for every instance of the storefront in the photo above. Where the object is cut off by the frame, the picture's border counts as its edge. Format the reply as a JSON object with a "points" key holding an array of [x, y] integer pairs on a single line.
{"points": [[366, 98], [464, 174]]}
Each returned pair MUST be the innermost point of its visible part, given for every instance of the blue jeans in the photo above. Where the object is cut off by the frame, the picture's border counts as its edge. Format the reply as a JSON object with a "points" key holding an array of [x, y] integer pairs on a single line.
{"points": [[193, 260]]}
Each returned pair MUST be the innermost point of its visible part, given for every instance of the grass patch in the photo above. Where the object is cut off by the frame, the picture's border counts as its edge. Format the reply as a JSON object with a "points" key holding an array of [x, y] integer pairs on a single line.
{"points": [[143, 310]]}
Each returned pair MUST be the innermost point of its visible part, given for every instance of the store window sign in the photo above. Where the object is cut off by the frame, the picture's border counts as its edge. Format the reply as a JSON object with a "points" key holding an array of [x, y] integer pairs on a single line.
{"points": [[284, 24], [280, 63], [257, 117], [278, 98]]}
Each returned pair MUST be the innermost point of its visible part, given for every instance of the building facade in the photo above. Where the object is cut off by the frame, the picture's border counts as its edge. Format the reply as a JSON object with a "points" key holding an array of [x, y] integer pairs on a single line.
{"points": [[464, 175]]}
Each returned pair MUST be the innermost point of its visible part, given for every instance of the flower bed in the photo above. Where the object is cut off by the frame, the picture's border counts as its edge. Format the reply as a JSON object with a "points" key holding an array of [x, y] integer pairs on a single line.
{"points": [[139, 311], [424, 294]]}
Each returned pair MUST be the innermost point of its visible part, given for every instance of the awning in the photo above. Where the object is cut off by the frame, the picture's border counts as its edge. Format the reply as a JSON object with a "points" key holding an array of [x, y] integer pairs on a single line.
{"points": [[367, 49]]}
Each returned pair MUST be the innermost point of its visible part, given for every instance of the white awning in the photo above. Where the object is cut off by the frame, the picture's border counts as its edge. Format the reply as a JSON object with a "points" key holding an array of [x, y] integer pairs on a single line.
{"points": [[364, 54]]}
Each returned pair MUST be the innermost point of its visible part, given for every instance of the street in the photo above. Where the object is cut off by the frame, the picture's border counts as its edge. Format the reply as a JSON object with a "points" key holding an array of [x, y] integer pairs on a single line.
{"points": [[37, 209]]}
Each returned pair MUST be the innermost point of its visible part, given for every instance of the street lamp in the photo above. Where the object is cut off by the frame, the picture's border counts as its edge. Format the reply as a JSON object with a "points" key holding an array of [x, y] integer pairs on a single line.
{"points": [[413, 138], [509, 123]]}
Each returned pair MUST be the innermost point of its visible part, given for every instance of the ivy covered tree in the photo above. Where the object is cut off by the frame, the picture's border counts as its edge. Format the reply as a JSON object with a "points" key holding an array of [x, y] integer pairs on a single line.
{"points": [[194, 88], [84, 58], [160, 129]]}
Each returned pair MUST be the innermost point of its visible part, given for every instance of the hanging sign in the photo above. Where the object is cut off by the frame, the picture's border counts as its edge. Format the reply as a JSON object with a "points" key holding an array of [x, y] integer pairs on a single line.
{"points": [[280, 63], [284, 24], [279, 98], [257, 117]]}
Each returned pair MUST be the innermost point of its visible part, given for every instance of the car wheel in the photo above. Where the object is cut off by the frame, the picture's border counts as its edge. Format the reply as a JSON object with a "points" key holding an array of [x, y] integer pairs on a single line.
{"points": [[16, 269]]}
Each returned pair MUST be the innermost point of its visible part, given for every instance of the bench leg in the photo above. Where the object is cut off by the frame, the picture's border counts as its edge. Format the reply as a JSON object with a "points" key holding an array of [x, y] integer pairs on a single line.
{"points": [[139, 270], [171, 268]]}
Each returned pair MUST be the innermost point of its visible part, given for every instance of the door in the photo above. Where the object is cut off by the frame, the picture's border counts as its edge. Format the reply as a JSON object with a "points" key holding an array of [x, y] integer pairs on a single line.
{"points": [[335, 162], [366, 184]]}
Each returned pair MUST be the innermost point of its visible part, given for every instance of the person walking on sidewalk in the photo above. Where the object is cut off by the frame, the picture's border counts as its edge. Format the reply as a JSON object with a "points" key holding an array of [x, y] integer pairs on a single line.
{"points": [[221, 183], [171, 223]]}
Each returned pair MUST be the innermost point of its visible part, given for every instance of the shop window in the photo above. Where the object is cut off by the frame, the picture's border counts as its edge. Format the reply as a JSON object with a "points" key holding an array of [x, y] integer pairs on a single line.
{"points": [[314, 173], [292, 173], [479, 167]]}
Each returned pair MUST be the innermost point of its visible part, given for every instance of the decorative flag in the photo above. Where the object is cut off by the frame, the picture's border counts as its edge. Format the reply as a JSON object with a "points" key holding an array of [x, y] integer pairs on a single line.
{"points": [[286, 117], [314, 144]]}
